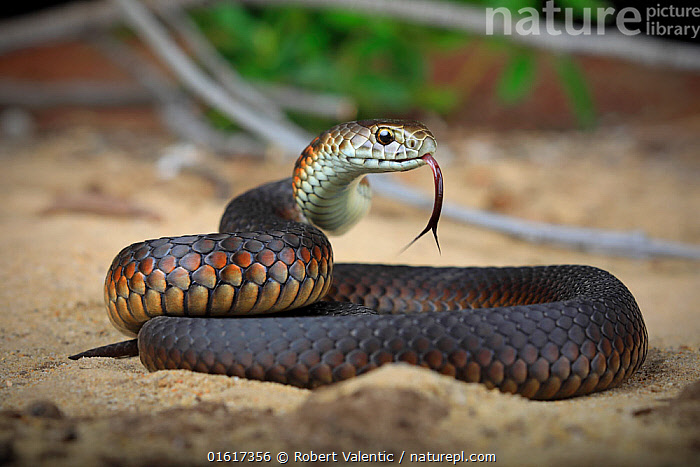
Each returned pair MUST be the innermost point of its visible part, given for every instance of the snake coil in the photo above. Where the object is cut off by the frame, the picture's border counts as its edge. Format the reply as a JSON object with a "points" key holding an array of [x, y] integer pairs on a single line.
{"points": [[543, 332]]}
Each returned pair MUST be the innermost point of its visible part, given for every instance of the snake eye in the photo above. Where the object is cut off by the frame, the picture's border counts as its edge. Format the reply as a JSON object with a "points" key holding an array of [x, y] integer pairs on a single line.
{"points": [[385, 136]]}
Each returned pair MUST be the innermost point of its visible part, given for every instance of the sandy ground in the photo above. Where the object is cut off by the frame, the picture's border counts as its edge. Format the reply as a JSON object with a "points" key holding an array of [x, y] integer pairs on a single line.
{"points": [[112, 412]]}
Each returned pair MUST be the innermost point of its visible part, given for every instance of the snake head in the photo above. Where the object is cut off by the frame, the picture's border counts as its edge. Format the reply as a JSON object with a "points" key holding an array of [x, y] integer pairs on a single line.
{"points": [[385, 145], [328, 176], [396, 145]]}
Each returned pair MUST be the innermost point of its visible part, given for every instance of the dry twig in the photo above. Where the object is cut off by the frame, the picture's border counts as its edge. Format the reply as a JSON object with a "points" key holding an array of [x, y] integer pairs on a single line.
{"points": [[175, 108], [290, 138], [634, 244]]}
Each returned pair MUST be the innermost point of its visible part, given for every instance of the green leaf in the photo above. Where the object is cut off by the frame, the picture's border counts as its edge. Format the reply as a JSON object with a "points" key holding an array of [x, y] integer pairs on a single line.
{"points": [[232, 18], [576, 89], [517, 78]]}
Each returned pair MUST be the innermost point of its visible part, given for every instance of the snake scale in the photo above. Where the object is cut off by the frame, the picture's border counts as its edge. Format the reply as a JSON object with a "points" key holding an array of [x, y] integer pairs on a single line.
{"points": [[545, 332]]}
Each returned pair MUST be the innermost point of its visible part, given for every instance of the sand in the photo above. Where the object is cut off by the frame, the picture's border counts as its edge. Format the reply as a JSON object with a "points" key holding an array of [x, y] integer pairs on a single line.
{"points": [[113, 412]]}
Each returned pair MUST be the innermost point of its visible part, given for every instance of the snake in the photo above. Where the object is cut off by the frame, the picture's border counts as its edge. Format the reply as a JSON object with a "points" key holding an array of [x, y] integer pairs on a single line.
{"points": [[543, 332]]}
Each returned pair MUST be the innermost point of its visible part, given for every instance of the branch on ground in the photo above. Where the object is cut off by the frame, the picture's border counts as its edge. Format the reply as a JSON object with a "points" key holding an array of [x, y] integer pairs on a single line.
{"points": [[222, 71], [290, 138], [633, 244], [176, 109]]}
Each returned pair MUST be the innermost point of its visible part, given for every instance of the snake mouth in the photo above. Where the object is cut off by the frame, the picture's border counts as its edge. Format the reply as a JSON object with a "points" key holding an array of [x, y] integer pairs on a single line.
{"points": [[387, 165], [437, 202]]}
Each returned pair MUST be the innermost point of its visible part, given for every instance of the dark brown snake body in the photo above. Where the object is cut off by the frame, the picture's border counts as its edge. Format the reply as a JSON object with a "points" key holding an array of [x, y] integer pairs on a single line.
{"points": [[543, 332]]}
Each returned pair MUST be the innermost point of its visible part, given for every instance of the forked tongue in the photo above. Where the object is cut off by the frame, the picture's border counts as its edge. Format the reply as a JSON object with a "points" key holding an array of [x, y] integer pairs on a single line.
{"points": [[437, 203]]}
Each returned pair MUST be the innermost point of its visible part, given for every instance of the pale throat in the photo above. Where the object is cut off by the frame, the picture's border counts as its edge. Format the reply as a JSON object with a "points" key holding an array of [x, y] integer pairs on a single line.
{"points": [[329, 194]]}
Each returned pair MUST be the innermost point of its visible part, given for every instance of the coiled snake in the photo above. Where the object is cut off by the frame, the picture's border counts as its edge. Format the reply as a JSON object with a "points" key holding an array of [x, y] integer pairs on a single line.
{"points": [[543, 332]]}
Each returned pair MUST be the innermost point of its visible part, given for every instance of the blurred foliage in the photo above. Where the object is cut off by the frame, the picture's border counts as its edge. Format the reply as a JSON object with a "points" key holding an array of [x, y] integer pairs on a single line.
{"points": [[577, 90], [383, 64]]}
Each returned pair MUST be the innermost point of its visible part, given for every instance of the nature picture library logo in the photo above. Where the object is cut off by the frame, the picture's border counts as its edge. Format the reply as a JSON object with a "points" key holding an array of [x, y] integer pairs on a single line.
{"points": [[661, 20]]}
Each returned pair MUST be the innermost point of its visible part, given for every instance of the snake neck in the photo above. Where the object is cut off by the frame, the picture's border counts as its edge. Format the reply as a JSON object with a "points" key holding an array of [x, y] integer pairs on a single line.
{"points": [[330, 195]]}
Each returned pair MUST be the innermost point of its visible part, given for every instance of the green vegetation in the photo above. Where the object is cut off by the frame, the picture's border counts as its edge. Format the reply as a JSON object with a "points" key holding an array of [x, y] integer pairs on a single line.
{"points": [[383, 64]]}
